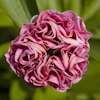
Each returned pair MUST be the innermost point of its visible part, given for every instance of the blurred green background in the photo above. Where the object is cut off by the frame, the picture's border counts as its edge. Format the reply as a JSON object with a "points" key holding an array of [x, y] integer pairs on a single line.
{"points": [[14, 13]]}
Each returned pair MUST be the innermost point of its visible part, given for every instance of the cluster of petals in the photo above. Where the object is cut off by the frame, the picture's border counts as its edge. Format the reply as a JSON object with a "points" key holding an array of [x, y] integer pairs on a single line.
{"points": [[51, 50]]}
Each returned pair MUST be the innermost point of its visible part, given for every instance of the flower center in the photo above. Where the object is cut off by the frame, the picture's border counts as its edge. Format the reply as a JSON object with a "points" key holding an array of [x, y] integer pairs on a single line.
{"points": [[55, 52]]}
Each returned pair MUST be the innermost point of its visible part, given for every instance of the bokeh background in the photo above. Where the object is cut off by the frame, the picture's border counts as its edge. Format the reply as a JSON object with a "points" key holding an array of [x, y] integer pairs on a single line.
{"points": [[14, 13]]}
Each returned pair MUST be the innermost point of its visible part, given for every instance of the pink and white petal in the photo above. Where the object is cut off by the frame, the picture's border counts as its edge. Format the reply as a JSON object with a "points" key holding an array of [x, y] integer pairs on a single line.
{"points": [[74, 17], [34, 19], [65, 58], [87, 34], [17, 54]]}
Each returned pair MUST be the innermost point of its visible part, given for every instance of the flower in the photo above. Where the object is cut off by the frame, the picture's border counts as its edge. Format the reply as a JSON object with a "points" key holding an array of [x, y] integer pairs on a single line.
{"points": [[51, 50], [25, 56], [55, 70], [75, 61]]}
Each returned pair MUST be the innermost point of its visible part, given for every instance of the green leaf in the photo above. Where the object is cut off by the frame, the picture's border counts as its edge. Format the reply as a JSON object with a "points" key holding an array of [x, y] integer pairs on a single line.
{"points": [[3, 48], [48, 94], [92, 8], [4, 20], [42, 5], [94, 49], [32, 6], [17, 10], [96, 96], [76, 6], [6, 79], [93, 68], [93, 21], [96, 33], [82, 96], [88, 85], [16, 92], [66, 4], [55, 5], [49, 4], [85, 4]]}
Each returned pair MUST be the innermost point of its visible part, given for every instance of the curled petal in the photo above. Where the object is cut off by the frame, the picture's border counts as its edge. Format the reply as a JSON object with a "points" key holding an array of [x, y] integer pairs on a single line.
{"points": [[74, 17], [26, 28], [32, 78], [87, 34], [79, 24], [73, 38], [55, 71], [72, 64], [34, 19], [17, 54], [23, 56]]}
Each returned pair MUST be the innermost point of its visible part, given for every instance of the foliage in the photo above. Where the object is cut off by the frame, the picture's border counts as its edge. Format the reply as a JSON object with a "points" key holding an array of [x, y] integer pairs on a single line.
{"points": [[20, 12]]}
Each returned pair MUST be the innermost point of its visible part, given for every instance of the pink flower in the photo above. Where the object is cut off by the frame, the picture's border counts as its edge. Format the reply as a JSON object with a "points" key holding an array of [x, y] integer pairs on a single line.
{"points": [[25, 56], [75, 61], [51, 50], [55, 70]]}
